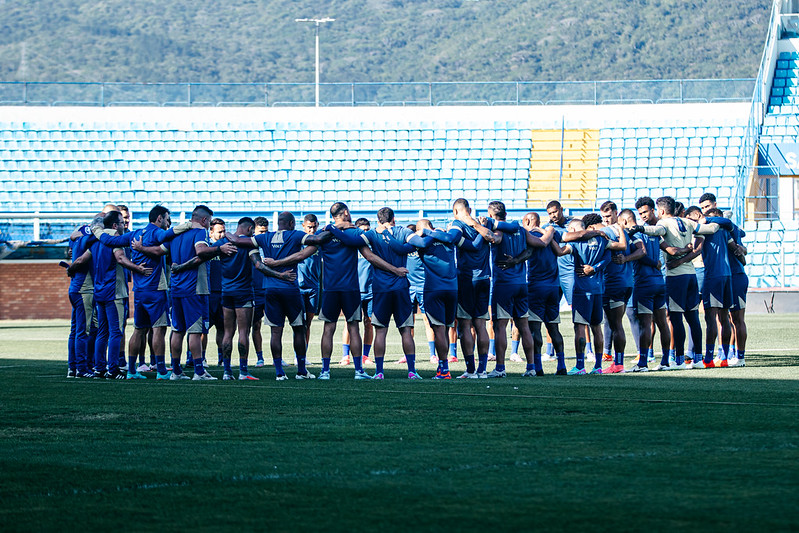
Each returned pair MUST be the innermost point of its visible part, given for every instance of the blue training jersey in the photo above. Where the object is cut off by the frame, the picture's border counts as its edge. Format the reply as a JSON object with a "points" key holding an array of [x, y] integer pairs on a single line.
{"points": [[365, 277], [191, 281], [151, 235], [340, 259], [279, 245], [82, 281], [593, 252], [108, 276], [438, 257], [392, 249], [415, 270], [618, 276], [472, 263], [645, 270], [309, 272], [542, 267], [714, 252], [736, 267], [565, 262], [236, 271], [511, 245]]}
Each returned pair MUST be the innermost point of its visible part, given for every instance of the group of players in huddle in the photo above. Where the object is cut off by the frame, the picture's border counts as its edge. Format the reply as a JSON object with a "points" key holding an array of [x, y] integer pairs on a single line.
{"points": [[478, 274]]}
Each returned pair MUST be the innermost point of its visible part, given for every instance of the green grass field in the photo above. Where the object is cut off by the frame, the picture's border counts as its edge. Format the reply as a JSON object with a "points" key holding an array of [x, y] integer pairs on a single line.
{"points": [[695, 450]]}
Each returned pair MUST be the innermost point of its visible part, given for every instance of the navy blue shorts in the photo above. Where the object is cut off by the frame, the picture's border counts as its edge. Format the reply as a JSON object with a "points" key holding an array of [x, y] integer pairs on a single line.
{"points": [[334, 303], [417, 296], [544, 303], [440, 307], [150, 309], [394, 303], [473, 297], [509, 301], [190, 313], [616, 297], [740, 286], [683, 293], [282, 306], [587, 308], [310, 298], [648, 299], [237, 300], [717, 292], [216, 317], [258, 306]]}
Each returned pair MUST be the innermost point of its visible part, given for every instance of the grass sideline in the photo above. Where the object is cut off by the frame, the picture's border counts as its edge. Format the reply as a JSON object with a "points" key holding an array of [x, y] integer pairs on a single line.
{"points": [[696, 450]]}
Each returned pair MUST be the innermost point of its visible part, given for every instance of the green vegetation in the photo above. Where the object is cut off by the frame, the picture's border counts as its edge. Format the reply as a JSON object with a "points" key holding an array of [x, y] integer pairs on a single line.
{"points": [[379, 40], [695, 450]]}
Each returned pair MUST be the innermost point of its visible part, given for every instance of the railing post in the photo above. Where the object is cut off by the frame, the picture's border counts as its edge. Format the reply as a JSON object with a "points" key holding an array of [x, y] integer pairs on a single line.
{"points": [[36, 227], [430, 92], [352, 94], [102, 95], [596, 91], [188, 94], [25, 92], [517, 93], [681, 96]]}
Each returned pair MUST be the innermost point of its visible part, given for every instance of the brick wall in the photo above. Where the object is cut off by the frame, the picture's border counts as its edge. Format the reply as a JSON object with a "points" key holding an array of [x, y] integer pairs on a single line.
{"points": [[33, 289]]}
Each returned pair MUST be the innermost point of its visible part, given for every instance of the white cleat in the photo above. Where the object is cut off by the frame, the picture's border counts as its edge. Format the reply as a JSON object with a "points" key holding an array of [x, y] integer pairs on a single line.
{"points": [[698, 364], [681, 366], [662, 367], [143, 368], [546, 357], [307, 375], [324, 375], [205, 376], [482, 375], [496, 374], [178, 377], [360, 374], [281, 377], [468, 375], [227, 376], [735, 363], [637, 368], [515, 358]]}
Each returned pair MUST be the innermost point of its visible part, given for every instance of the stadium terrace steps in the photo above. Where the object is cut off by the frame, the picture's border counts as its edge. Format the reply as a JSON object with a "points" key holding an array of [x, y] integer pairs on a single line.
{"points": [[563, 163]]}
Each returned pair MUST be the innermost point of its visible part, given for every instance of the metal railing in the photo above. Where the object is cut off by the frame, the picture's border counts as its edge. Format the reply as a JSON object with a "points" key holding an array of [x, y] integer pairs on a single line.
{"points": [[377, 93]]}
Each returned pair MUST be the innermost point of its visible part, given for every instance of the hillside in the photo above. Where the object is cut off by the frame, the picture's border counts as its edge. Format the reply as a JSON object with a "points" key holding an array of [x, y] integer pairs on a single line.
{"points": [[379, 40]]}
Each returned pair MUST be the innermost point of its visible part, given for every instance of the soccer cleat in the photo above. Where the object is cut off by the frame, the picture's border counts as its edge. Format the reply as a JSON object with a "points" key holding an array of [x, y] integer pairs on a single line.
{"points": [[482, 375], [434, 359], [228, 376], [401, 361], [576, 372], [365, 360], [736, 363], [607, 357], [496, 374], [189, 363], [153, 368], [681, 366], [85, 375], [259, 363], [135, 375], [379, 375], [546, 358], [307, 375], [165, 376], [220, 363], [72, 373], [360, 374], [710, 364], [492, 357], [115, 375], [723, 364], [281, 377], [143, 368], [324, 375], [468, 375], [452, 359], [650, 358], [442, 375], [205, 376], [596, 370], [98, 375], [638, 368], [244, 376], [561, 372], [698, 364], [515, 358], [662, 367], [614, 369], [345, 360], [414, 375], [529, 374]]}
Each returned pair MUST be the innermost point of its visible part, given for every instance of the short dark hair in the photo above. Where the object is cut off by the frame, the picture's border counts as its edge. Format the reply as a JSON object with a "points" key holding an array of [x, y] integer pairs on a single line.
{"points": [[286, 218], [362, 222], [463, 202], [385, 214], [338, 208], [246, 222], [707, 196], [536, 216], [217, 222], [261, 221], [645, 200], [667, 204], [592, 218], [679, 209], [499, 209], [714, 212], [608, 206], [692, 209], [202, 211], [123, 207], [411, 227], [310, 217], [158, 211], [627, 213], [554, 203], [111, 218]]}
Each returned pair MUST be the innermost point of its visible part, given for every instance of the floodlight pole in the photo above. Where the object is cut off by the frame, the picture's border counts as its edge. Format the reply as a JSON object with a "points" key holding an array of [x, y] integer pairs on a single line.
{"points": [[316, 22]]}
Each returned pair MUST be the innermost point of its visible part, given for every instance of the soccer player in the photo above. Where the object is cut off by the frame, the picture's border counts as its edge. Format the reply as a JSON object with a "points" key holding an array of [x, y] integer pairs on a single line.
{"points": [[591, 248], [649, 289], [740, 285], [309, 274], [681, 285], [437, 252], [617, 291], [81, 296], [391, 296], [416, 290], [259, 297], [216, 314], [510, 298], [341, 292], [474, 289], [365, 277], [190, 290], [110, 290]]}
